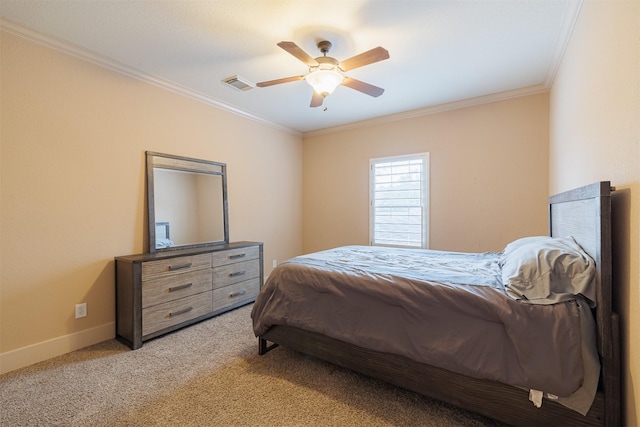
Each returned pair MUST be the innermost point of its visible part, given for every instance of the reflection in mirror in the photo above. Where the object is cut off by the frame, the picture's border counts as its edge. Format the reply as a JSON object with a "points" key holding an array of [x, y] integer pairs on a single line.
{"points": [[187, 202], [190, 205]]}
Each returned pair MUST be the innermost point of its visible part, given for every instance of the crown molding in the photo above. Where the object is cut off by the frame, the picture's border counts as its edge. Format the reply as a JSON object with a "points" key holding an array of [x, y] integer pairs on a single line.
{"points": [[568, 23], [456, 105], [105, 62]]}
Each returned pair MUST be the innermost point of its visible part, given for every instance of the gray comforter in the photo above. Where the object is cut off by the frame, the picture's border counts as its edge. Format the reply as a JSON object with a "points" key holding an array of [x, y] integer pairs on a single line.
{"points": [[441, 308]]}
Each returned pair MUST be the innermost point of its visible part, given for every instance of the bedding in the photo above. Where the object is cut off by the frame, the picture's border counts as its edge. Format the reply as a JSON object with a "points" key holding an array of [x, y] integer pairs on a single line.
{"points": [[447, 309]]}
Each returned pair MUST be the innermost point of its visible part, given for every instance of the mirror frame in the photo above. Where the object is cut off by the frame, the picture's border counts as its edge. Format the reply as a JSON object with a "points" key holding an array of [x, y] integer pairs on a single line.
{"points": [[186, 164]]}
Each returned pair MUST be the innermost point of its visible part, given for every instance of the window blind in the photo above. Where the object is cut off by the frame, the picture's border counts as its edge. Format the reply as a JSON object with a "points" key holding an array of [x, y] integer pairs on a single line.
{"points": [[398, 201]]}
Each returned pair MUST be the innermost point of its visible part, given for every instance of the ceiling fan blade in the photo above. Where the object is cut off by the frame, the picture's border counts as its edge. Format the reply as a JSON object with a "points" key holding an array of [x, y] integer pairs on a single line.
{"points": [[365, 58], [363, 87], [316, 100], [279, 81], [297, 51]]}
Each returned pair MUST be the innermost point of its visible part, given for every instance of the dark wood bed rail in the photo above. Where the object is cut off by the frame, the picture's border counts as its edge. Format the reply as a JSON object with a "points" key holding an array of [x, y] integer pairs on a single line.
{"points": [[492, 399]]}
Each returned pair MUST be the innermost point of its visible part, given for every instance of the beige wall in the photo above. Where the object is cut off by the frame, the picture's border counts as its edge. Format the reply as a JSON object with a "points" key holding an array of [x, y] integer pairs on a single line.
{"points": [[595, 135], [488, 173], [73, 137]]}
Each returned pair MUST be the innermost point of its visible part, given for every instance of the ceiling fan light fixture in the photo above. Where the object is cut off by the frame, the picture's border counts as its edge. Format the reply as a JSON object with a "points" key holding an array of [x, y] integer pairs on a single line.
{"points": [[324, 82], [327, 73]]}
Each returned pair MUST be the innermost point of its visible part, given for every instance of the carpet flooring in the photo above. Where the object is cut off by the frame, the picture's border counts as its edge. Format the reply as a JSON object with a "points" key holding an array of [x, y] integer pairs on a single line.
{"points": [[209, 374]]}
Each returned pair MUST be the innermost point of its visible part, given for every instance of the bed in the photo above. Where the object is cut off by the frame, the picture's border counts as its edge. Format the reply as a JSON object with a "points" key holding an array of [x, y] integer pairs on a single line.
{"points": [[512, 353]]}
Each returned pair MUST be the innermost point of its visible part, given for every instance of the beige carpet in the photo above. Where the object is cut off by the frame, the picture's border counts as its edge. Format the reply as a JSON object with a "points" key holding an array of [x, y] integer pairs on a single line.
{"points": [[209, 375]]}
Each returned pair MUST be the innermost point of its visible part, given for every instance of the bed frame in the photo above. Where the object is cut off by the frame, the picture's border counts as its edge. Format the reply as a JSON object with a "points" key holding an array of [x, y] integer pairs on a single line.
{"points": [[585, 214]]}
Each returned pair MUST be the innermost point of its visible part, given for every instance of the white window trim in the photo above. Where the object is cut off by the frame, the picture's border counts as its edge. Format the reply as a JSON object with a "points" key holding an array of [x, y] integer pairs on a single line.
{"points": [[425, 196]]}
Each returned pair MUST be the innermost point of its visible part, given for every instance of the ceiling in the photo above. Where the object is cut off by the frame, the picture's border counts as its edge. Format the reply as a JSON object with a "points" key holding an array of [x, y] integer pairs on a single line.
{"points": [[441, 52]]}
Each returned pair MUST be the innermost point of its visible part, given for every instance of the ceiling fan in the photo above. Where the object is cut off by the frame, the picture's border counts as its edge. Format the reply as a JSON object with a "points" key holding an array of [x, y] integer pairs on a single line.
{"points": [[327, 73]]}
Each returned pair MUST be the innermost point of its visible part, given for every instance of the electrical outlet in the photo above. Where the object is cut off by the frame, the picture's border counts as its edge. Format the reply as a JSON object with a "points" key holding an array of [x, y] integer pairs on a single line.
{"points": [[275, 263], [81, 310]]}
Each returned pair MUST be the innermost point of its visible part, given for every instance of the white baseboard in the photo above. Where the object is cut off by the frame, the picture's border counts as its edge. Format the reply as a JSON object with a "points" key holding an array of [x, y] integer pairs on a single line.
{"points": [[25, 356]]}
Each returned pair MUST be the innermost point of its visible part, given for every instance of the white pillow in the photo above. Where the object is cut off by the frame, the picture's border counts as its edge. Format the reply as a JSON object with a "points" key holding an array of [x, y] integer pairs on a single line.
{"points": [[544, 270]]}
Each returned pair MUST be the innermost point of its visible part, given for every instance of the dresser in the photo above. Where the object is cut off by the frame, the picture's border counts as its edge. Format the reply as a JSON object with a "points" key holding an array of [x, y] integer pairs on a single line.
{"points": [[160, 292]]}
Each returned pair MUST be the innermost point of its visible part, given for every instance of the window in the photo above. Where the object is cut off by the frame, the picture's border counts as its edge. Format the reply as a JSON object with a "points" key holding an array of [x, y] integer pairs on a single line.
{"points": [[399, 201]]}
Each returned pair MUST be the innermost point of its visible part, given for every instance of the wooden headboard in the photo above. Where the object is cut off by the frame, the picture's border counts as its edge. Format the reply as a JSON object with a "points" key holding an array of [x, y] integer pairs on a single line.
{"points": [[585, 214]]}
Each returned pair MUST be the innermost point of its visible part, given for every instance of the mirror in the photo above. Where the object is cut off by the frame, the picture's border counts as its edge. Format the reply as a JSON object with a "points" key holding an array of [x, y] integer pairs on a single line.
{"points": [[187, 202]]}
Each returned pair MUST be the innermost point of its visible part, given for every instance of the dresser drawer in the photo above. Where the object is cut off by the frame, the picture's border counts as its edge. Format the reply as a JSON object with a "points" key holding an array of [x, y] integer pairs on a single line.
{"points": [[175, 312], [235, 255], [164, 289], [172, 266], [238, 292], [233, 273]]}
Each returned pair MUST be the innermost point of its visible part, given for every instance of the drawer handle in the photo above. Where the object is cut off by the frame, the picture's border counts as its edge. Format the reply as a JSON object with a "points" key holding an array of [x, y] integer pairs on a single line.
{"points": [[177, 288], [179, 312], [180, 266], [237, 294], [238, 273], [237, 256]]}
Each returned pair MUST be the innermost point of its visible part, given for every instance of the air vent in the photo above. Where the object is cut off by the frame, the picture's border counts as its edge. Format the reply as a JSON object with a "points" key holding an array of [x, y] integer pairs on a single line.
{"points": [[238, 83]]}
